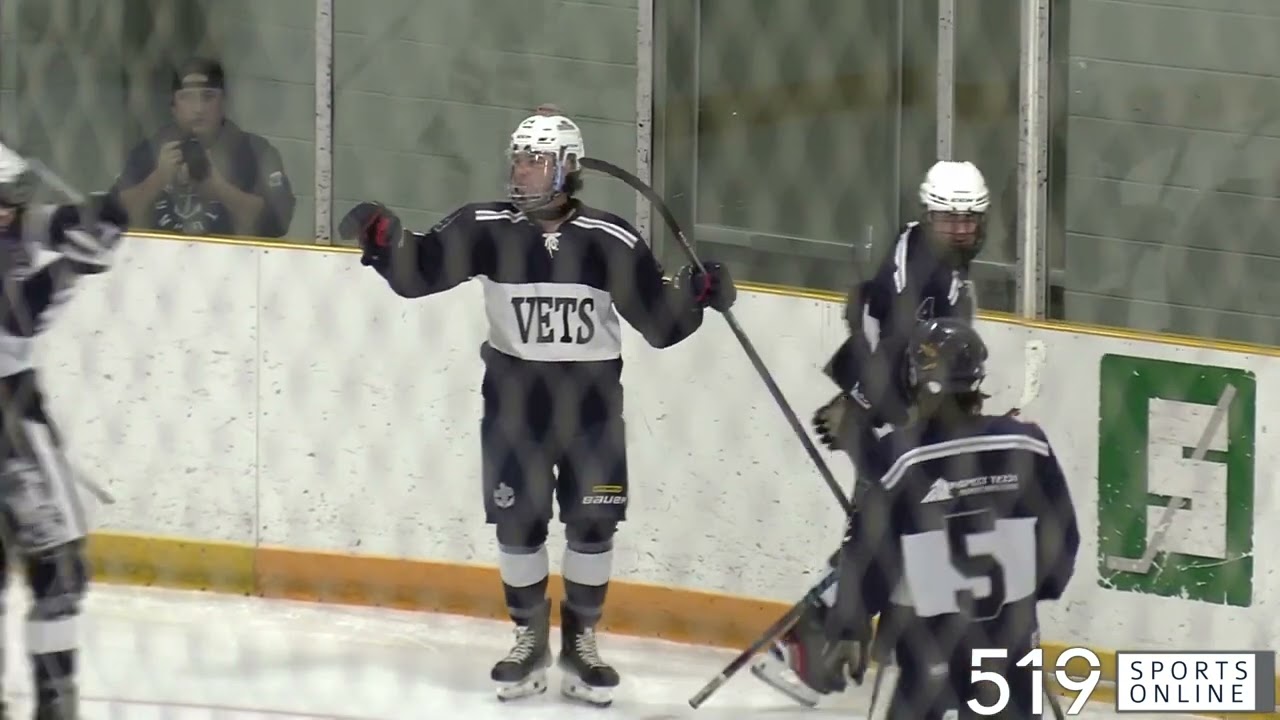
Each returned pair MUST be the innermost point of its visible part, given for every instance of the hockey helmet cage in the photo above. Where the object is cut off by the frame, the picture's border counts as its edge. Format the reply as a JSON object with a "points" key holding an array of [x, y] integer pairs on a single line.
{"points": [[946, 356], [955, 187], [557, 138]]}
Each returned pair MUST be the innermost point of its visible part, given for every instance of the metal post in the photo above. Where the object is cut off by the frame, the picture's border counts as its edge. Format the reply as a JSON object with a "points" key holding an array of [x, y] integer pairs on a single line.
{"points": [[324, 123], [644, 112], [946, 88], [1033, 159]]}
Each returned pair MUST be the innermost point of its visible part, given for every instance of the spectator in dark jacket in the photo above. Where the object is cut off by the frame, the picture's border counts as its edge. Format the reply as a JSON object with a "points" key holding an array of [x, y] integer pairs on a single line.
{"points": [[203, 175]]}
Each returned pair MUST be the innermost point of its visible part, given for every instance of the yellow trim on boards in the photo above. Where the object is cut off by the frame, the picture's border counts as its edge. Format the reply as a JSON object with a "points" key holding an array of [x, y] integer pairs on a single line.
{"points": [[1064, 326], [637, 609]]}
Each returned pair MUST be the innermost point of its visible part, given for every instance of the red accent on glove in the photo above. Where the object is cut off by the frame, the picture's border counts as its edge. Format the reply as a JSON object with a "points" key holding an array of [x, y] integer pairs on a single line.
{"points": [[379, 223], [702, 293]]}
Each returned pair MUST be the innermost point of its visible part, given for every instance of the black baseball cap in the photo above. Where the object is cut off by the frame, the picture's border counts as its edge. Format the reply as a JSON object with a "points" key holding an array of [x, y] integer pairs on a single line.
{"points": [[199, 73]]}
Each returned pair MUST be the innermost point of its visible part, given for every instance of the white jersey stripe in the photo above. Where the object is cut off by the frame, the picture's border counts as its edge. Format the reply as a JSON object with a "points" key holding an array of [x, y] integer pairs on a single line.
{"points": [[508, 215], [900, 260], [960, 446], [613, 229]]}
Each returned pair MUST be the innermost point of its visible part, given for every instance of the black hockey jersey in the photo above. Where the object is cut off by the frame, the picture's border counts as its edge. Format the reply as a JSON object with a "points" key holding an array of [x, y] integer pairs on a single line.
{"points": [[40, 269], [552, 299], [967, 528], [911, 285]]}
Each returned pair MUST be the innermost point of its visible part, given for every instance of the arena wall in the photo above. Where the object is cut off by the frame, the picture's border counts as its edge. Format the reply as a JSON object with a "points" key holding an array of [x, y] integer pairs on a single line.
{"points": [[273, 420]]}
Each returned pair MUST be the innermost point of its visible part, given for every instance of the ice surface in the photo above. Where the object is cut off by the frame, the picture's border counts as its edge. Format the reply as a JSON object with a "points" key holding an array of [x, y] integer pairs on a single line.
{"points": [[154, 654]]}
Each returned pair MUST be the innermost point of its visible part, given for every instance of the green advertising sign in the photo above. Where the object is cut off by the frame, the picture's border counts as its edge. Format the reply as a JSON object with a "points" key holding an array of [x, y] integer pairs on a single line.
{"points": [[1175, 480]]}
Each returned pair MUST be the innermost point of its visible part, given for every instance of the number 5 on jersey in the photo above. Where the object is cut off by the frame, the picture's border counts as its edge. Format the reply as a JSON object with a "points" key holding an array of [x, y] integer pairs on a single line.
{"points": [[974, 565]]}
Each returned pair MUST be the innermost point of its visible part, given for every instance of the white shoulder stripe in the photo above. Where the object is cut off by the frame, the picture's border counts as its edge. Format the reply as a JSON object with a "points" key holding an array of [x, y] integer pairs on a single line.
{"points": [[961, 446], [900, 260], [613, 229], [508, 215]]}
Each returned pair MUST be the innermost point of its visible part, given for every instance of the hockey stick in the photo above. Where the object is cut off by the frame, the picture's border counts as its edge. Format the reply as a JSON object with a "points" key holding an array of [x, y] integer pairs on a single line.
{"points": [[784, 623], [652, 196], [775, 631], [1032, 367]]}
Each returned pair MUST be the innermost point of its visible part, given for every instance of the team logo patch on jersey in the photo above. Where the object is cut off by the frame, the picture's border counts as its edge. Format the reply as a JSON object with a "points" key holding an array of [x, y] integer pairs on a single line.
{"points": [[504, 497], [943, 490]]}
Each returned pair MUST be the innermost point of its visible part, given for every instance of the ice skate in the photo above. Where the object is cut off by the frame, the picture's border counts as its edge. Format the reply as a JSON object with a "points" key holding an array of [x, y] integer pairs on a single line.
{"points": [[586, 676], [793, 666], [523, 672]]}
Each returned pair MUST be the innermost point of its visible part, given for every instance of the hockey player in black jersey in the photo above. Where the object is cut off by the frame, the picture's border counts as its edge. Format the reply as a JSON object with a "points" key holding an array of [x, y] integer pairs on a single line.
{"points": [[966, 524], [924, 276], [46, 249], [553, 272]]}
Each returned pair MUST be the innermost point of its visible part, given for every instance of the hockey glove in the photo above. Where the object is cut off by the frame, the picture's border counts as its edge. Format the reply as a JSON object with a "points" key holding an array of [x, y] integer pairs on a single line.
{"points": [[836, 421], [374, 228], [847, 660], [713, 289], [88, 234], [848, 650]]}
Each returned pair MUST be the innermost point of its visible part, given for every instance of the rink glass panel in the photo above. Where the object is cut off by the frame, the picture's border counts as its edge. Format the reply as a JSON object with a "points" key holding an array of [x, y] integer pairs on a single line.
{"points": [[426, 96], [82, 81], [788, 137], [1166, 179], [795, 153]]}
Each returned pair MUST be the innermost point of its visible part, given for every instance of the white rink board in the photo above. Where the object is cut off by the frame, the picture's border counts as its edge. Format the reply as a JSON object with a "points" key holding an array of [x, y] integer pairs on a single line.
{"points": [[288, 397]]}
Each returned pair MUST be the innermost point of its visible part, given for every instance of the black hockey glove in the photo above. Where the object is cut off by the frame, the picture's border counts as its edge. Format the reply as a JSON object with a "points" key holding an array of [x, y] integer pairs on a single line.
{"points": [[713, 289], [848, 650], [838, 421], [374, 227], [87, 234], [847, 660]]}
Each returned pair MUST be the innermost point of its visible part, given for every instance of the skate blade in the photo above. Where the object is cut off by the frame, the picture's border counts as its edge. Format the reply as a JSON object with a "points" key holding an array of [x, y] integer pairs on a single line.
{"points": [[778, 676], [535, 684], [575, 689]]}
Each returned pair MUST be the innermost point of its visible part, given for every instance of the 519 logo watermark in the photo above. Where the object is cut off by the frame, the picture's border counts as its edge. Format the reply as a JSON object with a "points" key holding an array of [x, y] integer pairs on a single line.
{"points": [[1034, 660]]}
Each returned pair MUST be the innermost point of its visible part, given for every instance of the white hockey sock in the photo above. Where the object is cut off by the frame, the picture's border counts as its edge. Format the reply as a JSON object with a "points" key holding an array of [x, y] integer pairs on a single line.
{"points": [[523, 566]]}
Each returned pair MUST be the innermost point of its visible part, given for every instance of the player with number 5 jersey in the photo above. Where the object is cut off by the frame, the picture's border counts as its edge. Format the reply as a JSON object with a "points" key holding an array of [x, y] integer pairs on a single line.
{"points": [[556, 274], [966, 525]]}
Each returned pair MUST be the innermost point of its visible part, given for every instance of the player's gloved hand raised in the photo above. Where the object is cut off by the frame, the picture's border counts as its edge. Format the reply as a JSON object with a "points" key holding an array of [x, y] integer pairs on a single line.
{"points": [[713, 289], [87, 234], [374, 227], [835, 421]]}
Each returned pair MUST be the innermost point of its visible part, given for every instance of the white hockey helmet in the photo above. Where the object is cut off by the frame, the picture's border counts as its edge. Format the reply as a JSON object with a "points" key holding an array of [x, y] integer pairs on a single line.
{"points": [[544, 152], [955, 187], [955, 199], [17, 180]]}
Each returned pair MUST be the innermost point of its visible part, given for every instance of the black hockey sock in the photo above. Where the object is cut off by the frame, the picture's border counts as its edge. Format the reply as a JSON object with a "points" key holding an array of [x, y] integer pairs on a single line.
{"points": [[58, 580], [587, 569], [524, 580], [54, 675]]}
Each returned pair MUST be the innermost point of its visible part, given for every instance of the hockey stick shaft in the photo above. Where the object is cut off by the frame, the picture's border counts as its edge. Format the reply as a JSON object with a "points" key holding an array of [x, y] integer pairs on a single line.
{"points": [[756, 361], [52, 179], [784, 623]]}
